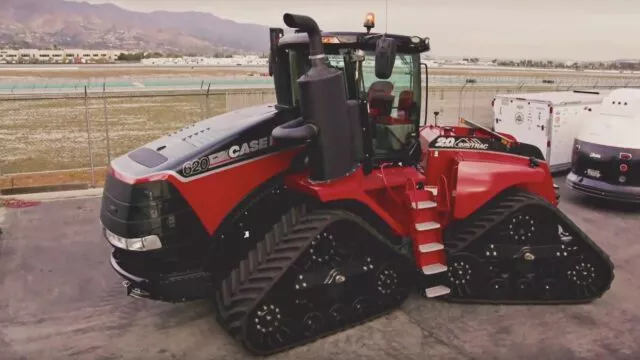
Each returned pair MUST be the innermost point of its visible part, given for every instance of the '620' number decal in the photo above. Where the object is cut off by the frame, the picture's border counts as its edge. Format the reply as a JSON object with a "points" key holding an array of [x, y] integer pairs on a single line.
{"points": [[195, 166]]}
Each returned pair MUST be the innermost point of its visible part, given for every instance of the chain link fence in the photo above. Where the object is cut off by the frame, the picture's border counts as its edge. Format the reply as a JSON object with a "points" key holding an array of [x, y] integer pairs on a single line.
{"points": [[70, 138]]}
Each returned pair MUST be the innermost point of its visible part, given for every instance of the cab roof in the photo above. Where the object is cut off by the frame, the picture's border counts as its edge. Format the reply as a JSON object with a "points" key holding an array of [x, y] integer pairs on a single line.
{"points": [[364, 41]]}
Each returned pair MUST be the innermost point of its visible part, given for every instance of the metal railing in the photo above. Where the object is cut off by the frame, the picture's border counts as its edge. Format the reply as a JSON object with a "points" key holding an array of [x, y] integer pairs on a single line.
{"points": [[86, 130], [441, 77]]}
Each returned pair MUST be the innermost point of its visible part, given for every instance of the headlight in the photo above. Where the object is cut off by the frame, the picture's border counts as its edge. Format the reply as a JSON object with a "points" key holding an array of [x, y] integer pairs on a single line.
{"points": [[150, 242]]}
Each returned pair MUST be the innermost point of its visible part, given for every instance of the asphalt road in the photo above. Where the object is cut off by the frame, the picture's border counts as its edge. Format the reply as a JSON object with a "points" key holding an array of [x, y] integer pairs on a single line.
{"points": [[59, 299]]}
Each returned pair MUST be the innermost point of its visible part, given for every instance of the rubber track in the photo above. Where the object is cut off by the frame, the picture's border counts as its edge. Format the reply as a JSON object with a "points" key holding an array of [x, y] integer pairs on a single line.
{"points": [[485, 218], [263, 267], [490, 215]]}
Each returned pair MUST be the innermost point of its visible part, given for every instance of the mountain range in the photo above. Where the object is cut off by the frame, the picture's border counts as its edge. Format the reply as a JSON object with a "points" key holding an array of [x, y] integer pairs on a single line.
{"points": [[47, 23]]}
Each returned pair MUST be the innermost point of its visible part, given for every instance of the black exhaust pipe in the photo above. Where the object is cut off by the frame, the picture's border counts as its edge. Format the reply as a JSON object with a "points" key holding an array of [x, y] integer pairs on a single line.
{"points": [[310, 26], [327, 118]]}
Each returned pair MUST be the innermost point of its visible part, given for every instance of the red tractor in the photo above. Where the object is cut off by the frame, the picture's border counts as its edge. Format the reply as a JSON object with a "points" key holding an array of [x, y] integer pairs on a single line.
{"points": [[327, 209]]}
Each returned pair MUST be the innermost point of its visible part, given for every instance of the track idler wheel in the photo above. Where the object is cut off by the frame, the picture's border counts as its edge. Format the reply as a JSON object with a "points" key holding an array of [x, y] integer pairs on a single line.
{"points": [[271, 324], [466, 274], [314, 275], [526, 251]]}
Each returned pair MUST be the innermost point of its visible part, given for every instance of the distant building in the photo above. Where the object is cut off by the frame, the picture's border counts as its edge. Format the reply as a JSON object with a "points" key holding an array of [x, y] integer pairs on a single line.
{"points": [[236, 60], [63, 56], [627, 64]]}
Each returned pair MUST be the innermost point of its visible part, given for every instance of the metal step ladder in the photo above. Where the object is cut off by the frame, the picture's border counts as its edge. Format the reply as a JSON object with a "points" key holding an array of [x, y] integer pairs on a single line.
{"points": [[426, 233]]}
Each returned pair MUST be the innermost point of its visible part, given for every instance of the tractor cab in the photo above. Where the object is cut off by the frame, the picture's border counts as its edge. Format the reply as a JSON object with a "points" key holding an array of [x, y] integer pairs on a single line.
{"points": [[380, 71]]}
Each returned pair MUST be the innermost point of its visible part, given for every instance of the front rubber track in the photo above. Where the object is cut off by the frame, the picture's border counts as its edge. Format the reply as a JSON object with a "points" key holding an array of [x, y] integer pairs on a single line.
{"points": [[266, 272]]}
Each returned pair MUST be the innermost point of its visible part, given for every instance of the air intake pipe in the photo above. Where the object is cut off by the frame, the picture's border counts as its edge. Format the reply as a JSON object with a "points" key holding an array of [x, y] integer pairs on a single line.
{"points": [[326, 117]]}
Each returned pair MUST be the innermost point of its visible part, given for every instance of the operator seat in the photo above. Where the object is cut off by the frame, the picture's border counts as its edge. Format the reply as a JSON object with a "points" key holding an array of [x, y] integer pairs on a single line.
{"points": [[380, 101], [380, 106], [380, 86], [406, 107]]}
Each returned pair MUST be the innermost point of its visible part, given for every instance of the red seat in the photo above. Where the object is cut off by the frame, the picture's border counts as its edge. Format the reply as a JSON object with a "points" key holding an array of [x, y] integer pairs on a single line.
{"points": [[405, 107], [380, 100]]}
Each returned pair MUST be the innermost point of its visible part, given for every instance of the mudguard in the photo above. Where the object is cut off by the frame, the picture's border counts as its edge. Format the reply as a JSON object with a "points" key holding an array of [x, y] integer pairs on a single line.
{"points": [[480, 181]]}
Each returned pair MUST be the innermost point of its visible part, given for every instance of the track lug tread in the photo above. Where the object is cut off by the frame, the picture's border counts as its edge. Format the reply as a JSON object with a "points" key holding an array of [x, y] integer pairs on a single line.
{"points": [[463, 235], [286, 242]]}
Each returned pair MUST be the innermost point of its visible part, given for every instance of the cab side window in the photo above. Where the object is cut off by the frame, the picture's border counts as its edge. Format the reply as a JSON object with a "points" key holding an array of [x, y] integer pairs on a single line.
{"points": [[393, 103]]}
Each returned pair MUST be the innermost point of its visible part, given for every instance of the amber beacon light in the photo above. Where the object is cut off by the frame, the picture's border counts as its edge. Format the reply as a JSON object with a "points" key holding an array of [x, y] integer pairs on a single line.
{"points": [[370, 21]]}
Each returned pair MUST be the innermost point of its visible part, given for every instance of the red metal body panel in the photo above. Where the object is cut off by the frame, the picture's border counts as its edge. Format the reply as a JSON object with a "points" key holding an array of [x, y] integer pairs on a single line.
{"points": [[383, 191], [464, 179], [215, 195], [480, 181]]}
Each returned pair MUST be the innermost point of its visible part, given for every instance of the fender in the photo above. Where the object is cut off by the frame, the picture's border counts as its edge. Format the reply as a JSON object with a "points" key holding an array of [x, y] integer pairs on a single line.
{"points": [[229, 187], [479, 181]]}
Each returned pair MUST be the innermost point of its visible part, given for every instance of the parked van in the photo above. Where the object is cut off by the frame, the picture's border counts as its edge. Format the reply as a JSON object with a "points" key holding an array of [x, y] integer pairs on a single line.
{"points": [[606, 152]]}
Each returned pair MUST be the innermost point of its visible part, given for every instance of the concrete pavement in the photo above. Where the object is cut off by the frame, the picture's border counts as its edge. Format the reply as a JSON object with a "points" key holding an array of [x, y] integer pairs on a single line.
{"points": [[59, 299]]}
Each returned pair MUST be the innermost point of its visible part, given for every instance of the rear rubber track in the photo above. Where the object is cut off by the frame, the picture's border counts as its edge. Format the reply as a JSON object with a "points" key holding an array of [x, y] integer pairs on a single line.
{"points": [[265, 303], [520, 249]]}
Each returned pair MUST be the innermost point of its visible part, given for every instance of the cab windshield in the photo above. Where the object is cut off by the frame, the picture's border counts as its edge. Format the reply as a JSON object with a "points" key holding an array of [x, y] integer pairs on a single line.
{"points": [[393, 103]]}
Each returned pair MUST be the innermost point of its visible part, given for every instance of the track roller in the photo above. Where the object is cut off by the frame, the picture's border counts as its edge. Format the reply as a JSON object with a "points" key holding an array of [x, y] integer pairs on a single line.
{"points": [[520, 249], [313, 275]]}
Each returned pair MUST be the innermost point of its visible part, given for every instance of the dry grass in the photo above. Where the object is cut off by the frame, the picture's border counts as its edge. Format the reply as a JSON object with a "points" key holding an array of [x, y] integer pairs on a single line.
{"points": [[52, 134], [48, 135]]}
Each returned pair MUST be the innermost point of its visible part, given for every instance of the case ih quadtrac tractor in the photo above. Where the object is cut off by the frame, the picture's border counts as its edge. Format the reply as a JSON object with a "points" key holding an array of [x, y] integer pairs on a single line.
{"points": [[327, 209]]}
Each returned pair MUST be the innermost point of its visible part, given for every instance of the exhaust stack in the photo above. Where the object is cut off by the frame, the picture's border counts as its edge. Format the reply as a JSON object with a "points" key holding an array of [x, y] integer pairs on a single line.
{"points": [[324, 106], [308, 25]]}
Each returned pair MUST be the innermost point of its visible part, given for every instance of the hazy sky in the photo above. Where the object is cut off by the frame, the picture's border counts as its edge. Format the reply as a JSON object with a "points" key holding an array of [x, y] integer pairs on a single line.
{"points": [[558, 29]]}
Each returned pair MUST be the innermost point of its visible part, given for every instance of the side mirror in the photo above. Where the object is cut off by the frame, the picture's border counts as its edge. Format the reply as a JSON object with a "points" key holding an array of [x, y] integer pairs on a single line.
{"points": [[274, 37], [385, 57]]}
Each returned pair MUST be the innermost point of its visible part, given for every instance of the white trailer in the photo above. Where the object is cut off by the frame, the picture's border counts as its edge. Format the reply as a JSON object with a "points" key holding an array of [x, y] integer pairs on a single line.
{"points": [[547, 120]]}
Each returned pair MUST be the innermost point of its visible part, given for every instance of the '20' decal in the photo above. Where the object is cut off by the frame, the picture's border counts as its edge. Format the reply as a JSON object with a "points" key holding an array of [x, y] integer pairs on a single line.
{"points": [[195, 166], [445, 141], [461, 143]]}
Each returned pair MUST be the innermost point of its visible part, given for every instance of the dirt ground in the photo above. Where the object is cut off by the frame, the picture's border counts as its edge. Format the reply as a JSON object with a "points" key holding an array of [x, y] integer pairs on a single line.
{"points": [[61, 300]]}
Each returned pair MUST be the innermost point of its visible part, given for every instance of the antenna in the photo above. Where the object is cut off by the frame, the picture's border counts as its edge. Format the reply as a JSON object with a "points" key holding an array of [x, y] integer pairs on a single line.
{"points": [[386, 15]]}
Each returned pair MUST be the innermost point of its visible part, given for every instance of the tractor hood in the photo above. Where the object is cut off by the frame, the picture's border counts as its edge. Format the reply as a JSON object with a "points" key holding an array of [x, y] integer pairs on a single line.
{"points": [[199, 141]]}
